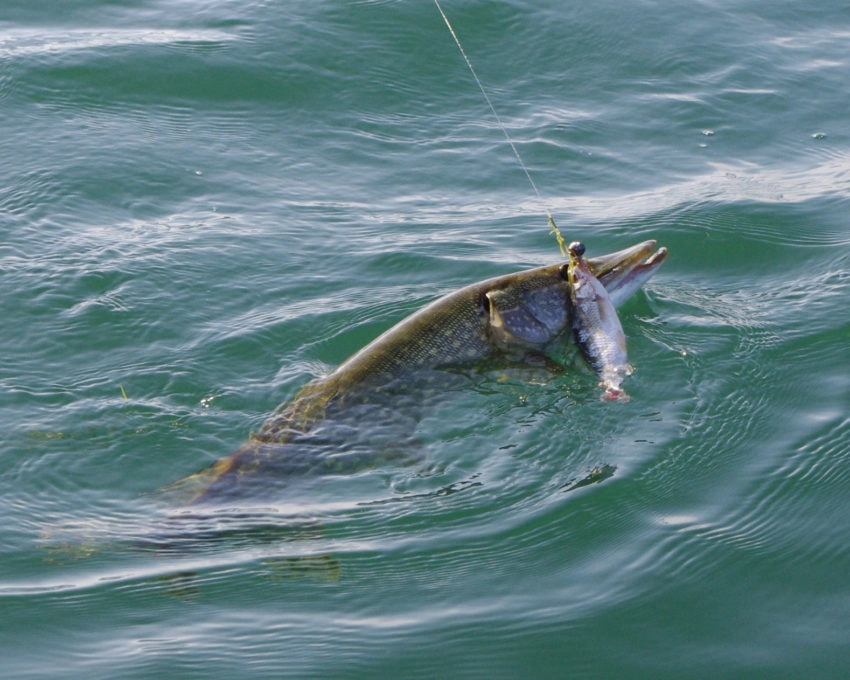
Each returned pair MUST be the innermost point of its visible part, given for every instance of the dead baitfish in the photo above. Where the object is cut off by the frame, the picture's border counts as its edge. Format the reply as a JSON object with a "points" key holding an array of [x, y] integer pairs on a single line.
{"points": [[598, 331], [372, 398]]}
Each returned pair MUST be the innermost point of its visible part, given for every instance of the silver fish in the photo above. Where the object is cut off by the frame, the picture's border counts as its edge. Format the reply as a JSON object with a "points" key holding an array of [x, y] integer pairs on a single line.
{"points": [[596, 326]]}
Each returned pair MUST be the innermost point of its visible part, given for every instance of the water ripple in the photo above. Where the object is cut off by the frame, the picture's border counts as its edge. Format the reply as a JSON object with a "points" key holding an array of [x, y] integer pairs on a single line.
{"points": [[23, 42]]}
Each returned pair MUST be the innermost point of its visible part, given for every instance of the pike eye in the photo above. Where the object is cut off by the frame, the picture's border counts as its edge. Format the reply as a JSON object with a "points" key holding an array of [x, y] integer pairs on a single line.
{"points": [[564, 271]]}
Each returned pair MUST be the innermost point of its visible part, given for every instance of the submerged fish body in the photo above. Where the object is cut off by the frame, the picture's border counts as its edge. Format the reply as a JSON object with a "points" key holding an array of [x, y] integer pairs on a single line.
{"points": [[598, 331], [510, 318]]}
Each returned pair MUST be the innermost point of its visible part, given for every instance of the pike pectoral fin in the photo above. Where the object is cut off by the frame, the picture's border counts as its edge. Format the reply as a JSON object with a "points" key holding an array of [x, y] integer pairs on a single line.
{"points": [[533, 369]]}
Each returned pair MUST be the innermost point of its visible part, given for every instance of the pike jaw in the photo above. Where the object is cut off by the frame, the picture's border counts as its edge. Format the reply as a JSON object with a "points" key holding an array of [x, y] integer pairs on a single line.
{"points": [[623, 272]]}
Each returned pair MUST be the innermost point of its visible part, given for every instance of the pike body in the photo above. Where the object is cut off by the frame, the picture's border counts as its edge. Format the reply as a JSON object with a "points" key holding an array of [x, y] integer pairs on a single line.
{"points": [[514, 316]]}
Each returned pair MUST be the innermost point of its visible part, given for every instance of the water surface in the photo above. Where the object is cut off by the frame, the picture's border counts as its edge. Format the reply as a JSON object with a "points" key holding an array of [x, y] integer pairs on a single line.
{"points": [[204, 205]]}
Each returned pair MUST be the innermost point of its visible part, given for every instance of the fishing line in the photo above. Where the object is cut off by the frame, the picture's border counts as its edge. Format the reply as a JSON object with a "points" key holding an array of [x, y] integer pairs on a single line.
{"points": [[555, 230]]}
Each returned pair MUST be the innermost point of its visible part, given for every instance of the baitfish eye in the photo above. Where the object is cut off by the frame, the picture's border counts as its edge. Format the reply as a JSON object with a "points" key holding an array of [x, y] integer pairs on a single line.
{"points": [[577, 248]]}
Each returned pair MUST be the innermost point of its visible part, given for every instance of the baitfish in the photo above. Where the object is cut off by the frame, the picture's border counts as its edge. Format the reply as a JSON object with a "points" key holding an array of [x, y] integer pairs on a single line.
{"points": [[364, 404], [597, 328]]}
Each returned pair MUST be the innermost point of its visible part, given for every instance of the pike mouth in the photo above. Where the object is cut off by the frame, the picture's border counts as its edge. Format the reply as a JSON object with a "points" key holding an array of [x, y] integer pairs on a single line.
{"points": [[623, 272]]}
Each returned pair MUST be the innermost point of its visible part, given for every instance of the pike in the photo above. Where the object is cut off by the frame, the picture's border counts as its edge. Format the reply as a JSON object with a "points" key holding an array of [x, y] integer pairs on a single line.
{"points": [[522, 317]]}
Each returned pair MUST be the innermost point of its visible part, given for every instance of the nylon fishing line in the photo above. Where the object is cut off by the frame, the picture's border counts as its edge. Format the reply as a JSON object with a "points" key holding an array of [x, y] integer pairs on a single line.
{"points": [[555, 230]]}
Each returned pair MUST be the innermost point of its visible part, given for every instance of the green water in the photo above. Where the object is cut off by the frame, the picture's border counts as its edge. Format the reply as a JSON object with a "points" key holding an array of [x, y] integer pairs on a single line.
{"points": [[205, 204]]}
